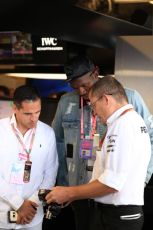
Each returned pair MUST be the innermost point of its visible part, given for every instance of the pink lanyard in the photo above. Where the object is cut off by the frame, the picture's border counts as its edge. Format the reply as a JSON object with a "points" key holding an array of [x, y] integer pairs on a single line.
{"points": [[21, 142], [93, 122]]}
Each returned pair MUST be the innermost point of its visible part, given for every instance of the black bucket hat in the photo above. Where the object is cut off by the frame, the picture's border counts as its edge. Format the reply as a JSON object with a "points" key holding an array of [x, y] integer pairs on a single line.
{"points": [[77, 67]]}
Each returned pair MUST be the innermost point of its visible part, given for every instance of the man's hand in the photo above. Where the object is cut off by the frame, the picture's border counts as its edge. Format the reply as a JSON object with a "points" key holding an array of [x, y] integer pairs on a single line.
{"points": [[26, 212], [59, 195]]}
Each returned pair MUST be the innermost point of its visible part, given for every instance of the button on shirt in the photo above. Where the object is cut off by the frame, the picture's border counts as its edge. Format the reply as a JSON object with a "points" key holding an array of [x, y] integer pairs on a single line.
{"points": [[124, 157], [43, 172]]}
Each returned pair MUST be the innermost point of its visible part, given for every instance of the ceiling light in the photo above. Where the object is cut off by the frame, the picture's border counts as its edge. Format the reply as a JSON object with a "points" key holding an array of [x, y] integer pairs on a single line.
{"points": [[54, 76]]}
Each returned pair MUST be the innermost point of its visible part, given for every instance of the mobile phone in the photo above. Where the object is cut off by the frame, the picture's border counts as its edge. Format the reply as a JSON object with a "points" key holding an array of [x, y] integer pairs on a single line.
{"points": [[70, 150]]}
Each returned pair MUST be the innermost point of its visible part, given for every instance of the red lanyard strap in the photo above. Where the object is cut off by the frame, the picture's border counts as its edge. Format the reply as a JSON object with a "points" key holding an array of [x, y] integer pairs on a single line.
{"points": [[93, 123], [82, 119], [93, 131], [102, 139]]}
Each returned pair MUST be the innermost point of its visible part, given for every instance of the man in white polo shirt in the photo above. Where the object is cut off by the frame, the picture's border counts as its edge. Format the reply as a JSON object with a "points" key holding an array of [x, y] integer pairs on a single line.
{"points": [[119, 173], [28, 162]]}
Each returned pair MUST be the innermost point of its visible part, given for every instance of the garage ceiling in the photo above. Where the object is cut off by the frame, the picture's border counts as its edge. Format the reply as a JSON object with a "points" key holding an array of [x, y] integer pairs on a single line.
{"points": [[95, 31]]}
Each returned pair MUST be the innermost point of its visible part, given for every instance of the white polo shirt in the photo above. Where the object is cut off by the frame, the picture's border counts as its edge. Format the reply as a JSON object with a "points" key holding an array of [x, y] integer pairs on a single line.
{"points": [[43, 172], [124, 157]]}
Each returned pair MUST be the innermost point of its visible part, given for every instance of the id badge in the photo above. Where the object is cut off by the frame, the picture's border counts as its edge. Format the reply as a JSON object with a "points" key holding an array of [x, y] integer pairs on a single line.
{"points": [[86, 148], [27, 171], [17, 173]]}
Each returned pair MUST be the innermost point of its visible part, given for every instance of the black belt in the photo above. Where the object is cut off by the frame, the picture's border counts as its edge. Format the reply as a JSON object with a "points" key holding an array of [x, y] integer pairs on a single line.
{"points": [[93, 203], [101, 205], [86, 202]]}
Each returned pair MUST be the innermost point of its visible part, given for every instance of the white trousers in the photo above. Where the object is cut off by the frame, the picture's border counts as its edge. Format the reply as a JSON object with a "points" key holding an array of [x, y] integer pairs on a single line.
{"points": [[36, 227]]}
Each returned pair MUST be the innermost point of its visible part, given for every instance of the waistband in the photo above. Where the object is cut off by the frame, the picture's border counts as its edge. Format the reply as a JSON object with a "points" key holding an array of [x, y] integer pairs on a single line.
{"points": [[100, 205], [93, 203], [86, 202]]}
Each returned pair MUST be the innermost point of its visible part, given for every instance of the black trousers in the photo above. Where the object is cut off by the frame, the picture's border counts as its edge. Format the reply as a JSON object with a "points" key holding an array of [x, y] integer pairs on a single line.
{"points": [[90, 215], [122, 217], [86, 215]]}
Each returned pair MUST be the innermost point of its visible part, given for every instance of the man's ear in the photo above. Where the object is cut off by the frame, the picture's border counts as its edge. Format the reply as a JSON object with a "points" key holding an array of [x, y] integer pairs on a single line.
{"points": [[106, 98]]}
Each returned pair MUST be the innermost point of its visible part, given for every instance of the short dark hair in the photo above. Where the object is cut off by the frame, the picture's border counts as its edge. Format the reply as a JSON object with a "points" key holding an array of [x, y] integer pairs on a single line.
{"points": [[23, 93], [78, 66]]}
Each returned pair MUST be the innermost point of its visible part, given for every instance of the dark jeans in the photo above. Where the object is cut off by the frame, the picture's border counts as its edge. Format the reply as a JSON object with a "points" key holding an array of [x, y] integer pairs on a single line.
{"points": [[122, 217], [86, 215], [64, 220]]}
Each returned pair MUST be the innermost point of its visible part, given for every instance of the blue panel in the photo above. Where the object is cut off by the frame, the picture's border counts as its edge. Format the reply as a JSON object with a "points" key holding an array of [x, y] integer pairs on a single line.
{"points": [[47, 87]]}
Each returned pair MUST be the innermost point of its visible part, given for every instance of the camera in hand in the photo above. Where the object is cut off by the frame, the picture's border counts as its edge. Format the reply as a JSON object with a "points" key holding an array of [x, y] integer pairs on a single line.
{"points": [[51, 210], [42, 194]]}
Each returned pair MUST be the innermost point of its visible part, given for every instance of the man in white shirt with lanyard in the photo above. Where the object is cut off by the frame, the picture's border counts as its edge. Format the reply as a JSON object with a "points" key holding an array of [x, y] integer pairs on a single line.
{"points": [[119, 172], [29, 161]]}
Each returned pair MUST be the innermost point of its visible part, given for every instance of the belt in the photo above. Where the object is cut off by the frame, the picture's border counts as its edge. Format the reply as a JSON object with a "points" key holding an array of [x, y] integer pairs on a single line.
{"points": [[86, 202], [100, 205], [91, 203]]}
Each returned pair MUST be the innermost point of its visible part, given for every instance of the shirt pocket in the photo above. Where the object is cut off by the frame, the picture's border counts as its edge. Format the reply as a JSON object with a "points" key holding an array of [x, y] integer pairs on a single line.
{"points": [[71, 129], [70, 124], [71, 133]]}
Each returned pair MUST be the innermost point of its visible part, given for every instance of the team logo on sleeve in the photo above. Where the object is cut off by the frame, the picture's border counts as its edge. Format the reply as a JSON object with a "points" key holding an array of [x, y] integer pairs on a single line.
{"points": [[111, 143], [143, 129]]}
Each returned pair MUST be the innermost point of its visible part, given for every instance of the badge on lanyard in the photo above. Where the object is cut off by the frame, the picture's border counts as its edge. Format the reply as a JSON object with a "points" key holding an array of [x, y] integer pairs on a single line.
{"points": [[86, 148], [22, 156], [96, 140], [17, 173], [27, 171]]}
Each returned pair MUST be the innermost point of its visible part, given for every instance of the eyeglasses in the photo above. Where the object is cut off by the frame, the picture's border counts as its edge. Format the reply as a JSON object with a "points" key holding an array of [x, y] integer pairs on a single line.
{"points": [[92, 105]]}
